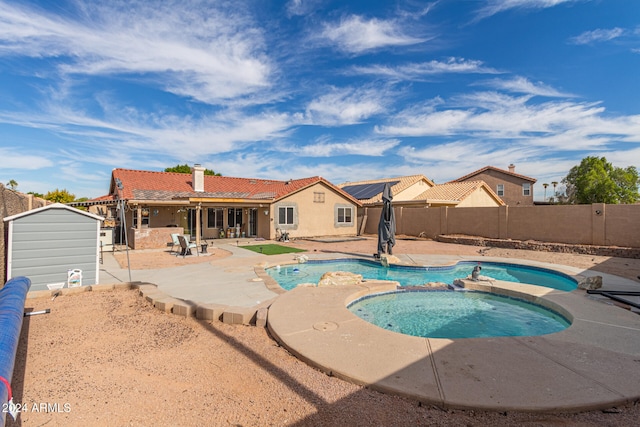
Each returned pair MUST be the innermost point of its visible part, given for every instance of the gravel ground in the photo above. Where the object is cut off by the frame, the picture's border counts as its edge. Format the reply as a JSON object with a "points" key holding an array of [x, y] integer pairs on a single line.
{"points": [[110, 359]]}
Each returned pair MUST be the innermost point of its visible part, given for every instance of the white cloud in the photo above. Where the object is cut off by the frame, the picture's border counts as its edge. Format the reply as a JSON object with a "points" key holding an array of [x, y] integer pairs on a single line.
{"points": [[524, 85], [599, 35], [365, 147], [418, 71], [135, 132], [207, 54], [346, 106], [354, 34], [493, 7], [302, 7], [15, 158], [560, 125]]}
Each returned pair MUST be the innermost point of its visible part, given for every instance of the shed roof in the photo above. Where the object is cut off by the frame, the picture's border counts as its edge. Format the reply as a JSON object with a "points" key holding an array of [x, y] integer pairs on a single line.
{"points": [[53, 206]]}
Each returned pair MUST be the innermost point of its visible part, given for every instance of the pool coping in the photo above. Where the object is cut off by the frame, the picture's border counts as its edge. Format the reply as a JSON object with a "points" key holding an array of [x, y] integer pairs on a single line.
{"points": [[593, 364]]}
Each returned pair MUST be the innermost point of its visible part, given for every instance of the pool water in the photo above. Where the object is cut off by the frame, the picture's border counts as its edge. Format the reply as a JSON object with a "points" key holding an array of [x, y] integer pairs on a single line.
{"points": [[456, 314], [288, 277]]}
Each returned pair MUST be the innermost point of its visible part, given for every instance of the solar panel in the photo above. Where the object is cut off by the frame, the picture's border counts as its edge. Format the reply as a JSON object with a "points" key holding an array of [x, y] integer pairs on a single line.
{"points": [[367, 191]]}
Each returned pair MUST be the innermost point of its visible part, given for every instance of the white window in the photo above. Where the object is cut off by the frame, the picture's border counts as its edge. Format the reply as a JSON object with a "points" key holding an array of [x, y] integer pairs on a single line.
{"points": [[500, 189], [526, 189], [345, 216], [285, 215]]}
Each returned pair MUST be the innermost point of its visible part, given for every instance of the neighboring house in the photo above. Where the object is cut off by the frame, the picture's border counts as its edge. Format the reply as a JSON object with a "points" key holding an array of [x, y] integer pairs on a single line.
{"points": [[514, 189], [468, 194], [157, 204], [418, 190], [403, 188]]}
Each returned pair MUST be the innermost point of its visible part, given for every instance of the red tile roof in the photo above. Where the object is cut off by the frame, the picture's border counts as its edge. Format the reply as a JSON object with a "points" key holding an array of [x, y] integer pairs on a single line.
{"points": [[150, 185]]}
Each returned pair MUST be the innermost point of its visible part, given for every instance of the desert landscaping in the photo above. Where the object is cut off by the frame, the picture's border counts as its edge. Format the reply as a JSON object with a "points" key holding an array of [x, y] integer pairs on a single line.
{"points": [[110, 358]]}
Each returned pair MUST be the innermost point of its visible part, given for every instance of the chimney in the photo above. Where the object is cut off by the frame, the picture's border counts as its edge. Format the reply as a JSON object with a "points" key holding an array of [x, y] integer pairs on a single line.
{"points": [[197, 178], [512, 168]]}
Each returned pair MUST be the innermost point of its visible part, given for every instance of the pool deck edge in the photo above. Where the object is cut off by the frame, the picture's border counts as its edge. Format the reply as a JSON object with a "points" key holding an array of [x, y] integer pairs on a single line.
{"points": [[593, 364]]}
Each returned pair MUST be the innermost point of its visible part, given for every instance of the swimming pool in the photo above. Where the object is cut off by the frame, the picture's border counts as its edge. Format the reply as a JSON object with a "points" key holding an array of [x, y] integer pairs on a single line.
{"points": [[456, 314], [289, 276]]}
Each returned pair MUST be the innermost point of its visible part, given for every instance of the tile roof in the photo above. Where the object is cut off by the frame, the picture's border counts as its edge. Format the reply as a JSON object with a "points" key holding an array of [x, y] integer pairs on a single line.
{"points": [[486, 168], [151, 185], [456, 191], [403, 182]]}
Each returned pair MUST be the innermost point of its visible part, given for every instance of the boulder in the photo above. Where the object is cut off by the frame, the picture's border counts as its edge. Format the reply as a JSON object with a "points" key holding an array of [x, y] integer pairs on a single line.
{"points": [[340, 278], [594, 282], [387, 260]]}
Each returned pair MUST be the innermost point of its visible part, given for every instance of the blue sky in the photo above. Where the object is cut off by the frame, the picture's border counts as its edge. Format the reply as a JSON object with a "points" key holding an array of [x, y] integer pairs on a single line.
{"points": [[291, 89]]}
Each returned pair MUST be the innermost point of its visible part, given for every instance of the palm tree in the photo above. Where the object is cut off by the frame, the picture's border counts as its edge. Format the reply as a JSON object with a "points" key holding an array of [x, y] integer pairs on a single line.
{"points": [[554, 183], [13, 184], [545, 185]]}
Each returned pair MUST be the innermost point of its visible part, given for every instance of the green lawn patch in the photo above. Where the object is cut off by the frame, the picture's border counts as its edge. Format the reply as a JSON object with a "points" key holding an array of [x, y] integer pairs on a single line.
{"points": [[271, 249]]}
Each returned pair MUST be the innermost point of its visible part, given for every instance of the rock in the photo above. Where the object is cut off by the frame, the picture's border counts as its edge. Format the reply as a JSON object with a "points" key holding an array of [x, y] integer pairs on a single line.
{"points": [[436, 285], [340, 278], [386, 260], [261, 317], [594, 282]]}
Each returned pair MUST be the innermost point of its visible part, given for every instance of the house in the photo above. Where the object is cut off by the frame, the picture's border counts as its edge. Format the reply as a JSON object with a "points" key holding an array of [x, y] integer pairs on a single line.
{"points": [[514, 189], [46, 243], [419, 191], [157, 204], [403, 188], [465, 194]]}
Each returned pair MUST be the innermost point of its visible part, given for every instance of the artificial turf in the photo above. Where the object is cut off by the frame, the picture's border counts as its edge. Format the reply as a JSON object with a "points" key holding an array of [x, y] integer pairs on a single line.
{"points": [[271, 249]]}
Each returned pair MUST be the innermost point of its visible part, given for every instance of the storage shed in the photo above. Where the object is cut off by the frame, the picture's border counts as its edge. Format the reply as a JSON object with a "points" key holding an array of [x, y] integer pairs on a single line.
{"points": [[45, 244]]}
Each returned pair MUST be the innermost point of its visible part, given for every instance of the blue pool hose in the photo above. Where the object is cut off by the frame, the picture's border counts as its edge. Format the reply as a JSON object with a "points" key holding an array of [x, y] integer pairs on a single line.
{"points": [[12, 297]]}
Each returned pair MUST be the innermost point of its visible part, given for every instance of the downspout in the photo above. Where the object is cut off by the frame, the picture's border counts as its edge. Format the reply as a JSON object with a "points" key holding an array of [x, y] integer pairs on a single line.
{"points": [[12, 297]]}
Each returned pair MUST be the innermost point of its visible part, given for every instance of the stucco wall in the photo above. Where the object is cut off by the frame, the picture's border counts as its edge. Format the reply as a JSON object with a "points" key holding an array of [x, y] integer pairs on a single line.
{"points": [[512, 187], [479, 198], [622, 225], [562, 224], [597, 224], [315, 218], [412, 191]]}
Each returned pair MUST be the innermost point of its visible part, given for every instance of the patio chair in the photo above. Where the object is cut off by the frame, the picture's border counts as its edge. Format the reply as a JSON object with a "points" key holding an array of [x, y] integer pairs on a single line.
{"points": [[175, 243], [186, 246]]}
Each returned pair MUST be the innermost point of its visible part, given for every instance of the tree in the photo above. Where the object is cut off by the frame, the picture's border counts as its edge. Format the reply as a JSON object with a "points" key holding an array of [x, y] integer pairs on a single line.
{"points": [[60, 196], [13, 184], [187, 169], [595, 180], [555, 194]]}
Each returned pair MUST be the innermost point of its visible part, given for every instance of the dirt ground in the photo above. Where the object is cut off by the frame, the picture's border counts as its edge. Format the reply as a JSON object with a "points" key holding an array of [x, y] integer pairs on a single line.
{"points": [[110, 359]]}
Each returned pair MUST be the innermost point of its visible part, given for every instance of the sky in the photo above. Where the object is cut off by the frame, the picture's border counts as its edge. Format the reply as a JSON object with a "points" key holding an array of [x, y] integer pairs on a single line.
{"points": [[347, 90]]}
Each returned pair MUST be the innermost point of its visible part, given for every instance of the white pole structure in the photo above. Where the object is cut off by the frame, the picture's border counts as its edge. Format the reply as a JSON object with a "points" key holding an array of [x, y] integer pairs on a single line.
{"points": [[124, 223]]}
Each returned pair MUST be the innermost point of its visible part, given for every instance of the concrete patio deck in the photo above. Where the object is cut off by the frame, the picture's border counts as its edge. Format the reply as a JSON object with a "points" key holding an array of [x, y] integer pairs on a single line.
{"points": [[595, 363]]}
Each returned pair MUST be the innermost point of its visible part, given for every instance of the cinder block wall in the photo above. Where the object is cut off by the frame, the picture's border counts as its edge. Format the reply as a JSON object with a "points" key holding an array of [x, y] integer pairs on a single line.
{"points": [[596, 224]]}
